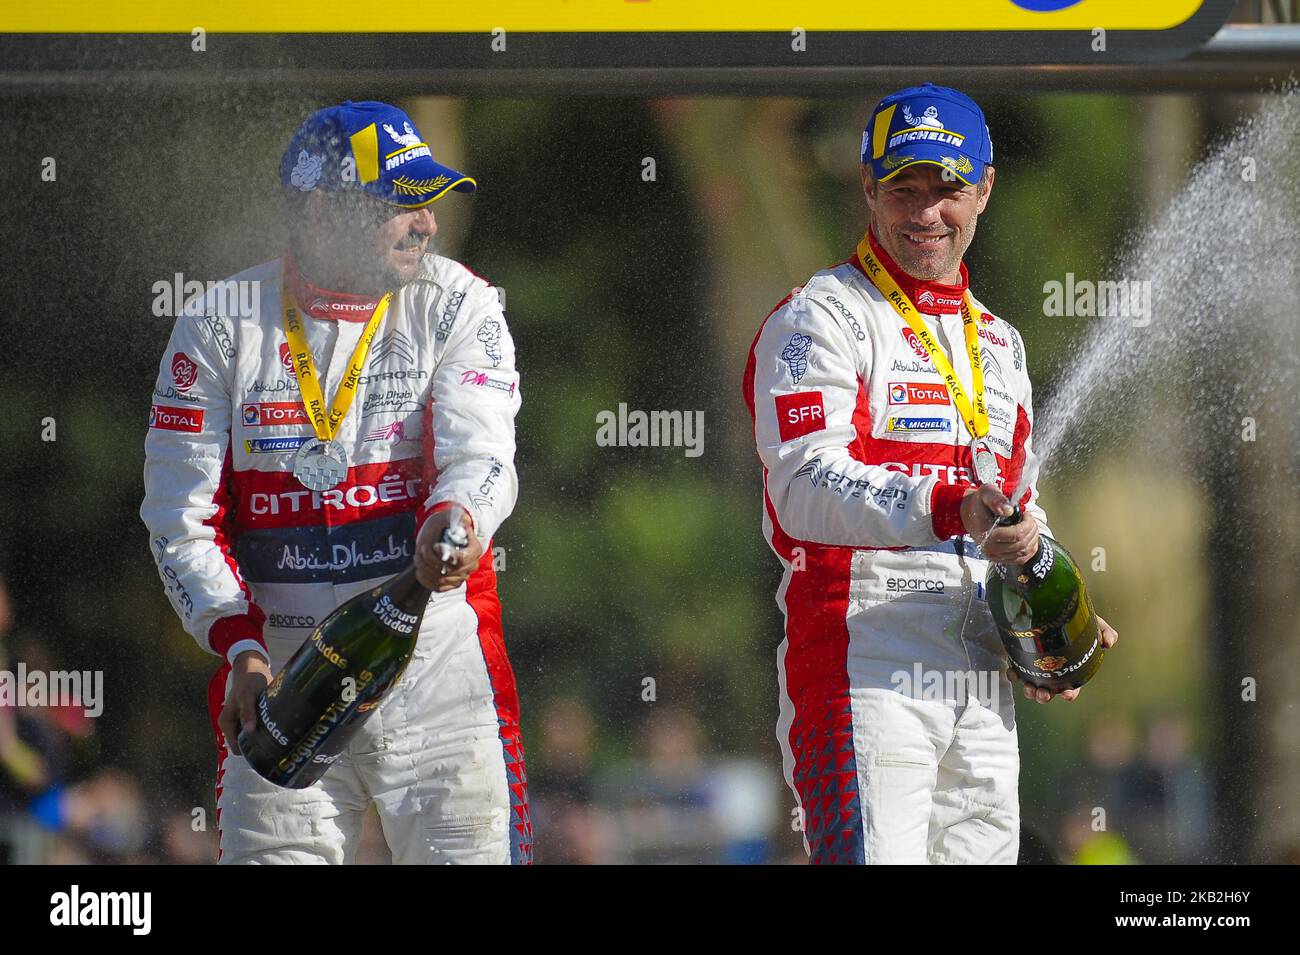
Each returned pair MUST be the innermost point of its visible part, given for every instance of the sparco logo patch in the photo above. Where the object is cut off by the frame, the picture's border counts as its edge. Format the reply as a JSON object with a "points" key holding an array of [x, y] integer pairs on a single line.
{"points": [[220, 330], [913, 585], [849, 317], [448, 317], [291, 621]]}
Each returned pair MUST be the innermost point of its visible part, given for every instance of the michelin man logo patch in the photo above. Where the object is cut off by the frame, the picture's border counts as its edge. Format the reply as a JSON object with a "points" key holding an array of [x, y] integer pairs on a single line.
{"points": [[306, 173], [928, 118], [406, 139], [795, 354], [489, 333]]}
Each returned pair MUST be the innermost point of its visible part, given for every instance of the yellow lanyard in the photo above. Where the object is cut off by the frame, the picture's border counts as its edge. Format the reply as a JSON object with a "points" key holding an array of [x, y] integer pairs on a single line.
{"points": [[976, 417], [313, 399]]}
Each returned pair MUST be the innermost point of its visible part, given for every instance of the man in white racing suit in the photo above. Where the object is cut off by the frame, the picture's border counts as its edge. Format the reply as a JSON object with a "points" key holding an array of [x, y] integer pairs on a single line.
{"points": [[897, 724], [253, 558]]}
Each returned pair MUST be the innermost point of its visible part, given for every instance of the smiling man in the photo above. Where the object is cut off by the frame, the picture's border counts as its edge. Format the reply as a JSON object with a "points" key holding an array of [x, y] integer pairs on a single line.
{"points": [[265, 512], [891, 413]]}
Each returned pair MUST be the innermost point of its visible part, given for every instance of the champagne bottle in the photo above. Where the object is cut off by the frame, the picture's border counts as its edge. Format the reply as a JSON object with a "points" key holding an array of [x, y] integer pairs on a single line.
{"points": [[317, 702], [1044, 615]]}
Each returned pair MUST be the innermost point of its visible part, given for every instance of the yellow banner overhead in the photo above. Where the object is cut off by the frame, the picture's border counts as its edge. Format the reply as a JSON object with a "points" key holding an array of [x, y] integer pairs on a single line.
{"points": [[593, 16]]}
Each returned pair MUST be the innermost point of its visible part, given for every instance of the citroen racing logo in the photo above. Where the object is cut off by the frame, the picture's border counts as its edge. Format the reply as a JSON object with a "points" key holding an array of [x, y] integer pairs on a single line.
{"points": [[394, 344]]}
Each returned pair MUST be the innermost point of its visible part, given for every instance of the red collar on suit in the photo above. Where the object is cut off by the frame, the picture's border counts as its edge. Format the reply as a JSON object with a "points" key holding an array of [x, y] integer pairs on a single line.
{"points": [[324, 303], [931, 298]]}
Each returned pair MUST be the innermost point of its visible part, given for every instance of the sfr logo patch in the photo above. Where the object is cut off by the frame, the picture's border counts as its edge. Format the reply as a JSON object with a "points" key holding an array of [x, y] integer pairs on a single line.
{"points": [[800, 414]]}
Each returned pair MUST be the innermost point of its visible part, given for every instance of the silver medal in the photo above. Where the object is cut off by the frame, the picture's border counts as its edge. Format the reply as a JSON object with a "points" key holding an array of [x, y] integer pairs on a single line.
{"points": [[986, 462], [320, 465]]}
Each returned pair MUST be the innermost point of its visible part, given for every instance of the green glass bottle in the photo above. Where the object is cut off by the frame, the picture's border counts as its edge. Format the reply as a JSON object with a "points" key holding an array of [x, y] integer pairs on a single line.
{"points": [[1045, 617], [316, 703]]}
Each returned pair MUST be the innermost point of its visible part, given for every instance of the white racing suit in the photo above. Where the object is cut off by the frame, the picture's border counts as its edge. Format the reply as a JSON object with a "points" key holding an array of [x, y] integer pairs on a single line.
{"points": [[252, 559], [865, 460]]}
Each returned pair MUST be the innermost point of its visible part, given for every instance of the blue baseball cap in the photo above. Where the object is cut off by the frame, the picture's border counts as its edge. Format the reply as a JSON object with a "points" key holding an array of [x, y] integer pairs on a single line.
{"points": [[369, 146], [927, 124]]}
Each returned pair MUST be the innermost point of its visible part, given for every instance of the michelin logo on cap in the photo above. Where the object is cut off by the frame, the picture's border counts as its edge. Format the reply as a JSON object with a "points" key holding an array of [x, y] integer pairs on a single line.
{"points": [[927, 124]]}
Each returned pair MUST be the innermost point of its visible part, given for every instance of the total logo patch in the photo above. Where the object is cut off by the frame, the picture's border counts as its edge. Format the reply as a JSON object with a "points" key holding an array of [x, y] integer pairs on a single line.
{"points": [[261, 415], [274, 445], [799, 414], [164, 418], [917, 393], [914, 425]]}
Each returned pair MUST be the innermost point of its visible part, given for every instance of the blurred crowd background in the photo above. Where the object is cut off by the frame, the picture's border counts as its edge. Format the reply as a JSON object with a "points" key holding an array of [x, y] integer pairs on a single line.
{"points": [[638, 591]]}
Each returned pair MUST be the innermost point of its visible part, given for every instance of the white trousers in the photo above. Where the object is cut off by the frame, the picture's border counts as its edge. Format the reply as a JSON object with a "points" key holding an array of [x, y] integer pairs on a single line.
{"points": [[441, 765]]}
